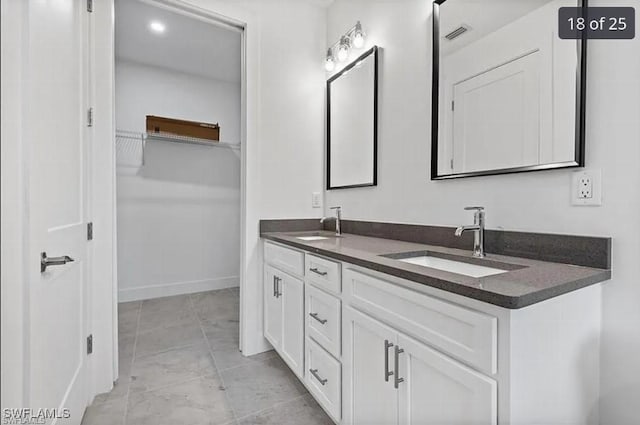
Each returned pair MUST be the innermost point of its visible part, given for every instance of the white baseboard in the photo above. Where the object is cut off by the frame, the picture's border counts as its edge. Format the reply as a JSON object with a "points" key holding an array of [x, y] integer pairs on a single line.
{"points": [[176, 288]]}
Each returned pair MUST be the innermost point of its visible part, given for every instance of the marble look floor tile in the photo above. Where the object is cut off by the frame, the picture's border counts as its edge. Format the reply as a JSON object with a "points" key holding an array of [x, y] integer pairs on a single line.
{"points": [[224, 339], [105, 413], [260, 385], [195, 402], [162, 339], [163, 312], [302, 410], [171, 367], [223, 333], [217, 305], [128, 317], [232, 357]]}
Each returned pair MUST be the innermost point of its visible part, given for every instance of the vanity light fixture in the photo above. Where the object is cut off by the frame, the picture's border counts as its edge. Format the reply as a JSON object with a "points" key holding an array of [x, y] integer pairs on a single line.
{"points": [[340, 49]]}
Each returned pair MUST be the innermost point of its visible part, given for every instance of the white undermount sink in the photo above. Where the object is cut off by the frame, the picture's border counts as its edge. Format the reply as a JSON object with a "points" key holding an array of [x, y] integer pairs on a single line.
{"points": [[311, 238], [467, 269]]}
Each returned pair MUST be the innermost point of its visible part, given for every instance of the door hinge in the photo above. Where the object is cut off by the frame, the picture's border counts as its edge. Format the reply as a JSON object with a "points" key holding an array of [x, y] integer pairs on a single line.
{"points": [[90, 117], [90, 231], [90, 344], [89, 6]]}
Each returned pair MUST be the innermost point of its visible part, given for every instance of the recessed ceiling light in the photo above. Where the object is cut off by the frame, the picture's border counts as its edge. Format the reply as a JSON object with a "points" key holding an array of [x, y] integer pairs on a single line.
{"points": [[157, 27]]}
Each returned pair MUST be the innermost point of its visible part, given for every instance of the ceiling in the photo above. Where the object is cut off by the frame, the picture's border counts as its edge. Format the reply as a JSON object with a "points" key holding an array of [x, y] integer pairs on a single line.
{"points": [[188, 45], [482, 16]]}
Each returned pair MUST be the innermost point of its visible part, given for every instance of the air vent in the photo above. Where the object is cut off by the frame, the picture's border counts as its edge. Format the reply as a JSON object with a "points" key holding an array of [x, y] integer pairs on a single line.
{"points": [[457, 32]]}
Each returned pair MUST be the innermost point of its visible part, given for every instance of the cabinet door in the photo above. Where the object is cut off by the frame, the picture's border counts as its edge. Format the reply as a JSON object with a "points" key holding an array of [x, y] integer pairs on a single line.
{"points": [[291, 292], [272, 308], [438, 390], [368, 398]]}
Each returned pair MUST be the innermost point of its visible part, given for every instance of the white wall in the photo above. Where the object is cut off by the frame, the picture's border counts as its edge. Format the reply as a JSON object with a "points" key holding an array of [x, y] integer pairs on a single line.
{"points": [[531, 202], [179, 214], [143, 90]]}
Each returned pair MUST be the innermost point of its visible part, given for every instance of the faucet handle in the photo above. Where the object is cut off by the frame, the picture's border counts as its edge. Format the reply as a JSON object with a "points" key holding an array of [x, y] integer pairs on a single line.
{"points": [[335, 208], [474, 208]]}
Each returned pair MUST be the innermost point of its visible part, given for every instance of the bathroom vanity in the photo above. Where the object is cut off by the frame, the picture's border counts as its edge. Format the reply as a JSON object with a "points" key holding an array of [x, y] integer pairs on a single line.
{"points": [[390, 331]]}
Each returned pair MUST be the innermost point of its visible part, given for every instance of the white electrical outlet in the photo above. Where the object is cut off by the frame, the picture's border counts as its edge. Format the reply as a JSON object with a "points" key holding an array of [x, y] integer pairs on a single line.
{"points": [[586, 187], [316, 200]]}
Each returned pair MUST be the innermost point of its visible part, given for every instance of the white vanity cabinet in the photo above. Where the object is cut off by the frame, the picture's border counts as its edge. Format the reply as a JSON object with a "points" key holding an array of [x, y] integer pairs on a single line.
{"points": [[392, 378], [379, 349], [284, 316]]}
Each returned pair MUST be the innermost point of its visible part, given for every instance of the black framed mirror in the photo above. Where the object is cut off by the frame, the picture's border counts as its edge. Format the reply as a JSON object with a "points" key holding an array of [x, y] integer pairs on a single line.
{"points": [[508, 95], [352, 124]]}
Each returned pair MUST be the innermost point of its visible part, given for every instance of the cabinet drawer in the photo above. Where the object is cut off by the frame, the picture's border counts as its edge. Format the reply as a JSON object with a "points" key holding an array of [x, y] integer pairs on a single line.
{"points": [[466, 334], [288, 260], [323, 273], [323, 378], [323, 319]]}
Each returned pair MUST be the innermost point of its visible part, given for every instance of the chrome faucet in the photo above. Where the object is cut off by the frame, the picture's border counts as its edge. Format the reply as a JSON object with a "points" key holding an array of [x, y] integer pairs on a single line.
{"points": [[478, 231], [337, 218]]}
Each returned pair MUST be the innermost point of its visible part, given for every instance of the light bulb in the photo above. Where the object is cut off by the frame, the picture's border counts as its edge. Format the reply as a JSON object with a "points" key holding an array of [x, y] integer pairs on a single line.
{"points": [[343, 50], [329, 64], [358, 36], [157, 27]]}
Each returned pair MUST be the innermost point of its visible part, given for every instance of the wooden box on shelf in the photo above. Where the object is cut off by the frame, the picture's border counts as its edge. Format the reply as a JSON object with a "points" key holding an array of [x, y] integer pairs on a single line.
{"points": [[199, 130]]}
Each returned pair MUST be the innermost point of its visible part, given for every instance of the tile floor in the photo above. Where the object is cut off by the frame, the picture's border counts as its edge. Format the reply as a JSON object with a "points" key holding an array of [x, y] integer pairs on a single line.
{"points": [[180, 364]]}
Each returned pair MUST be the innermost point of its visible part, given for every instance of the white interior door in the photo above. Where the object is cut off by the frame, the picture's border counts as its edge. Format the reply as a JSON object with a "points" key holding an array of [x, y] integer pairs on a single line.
{"points": [[496, 117], [56, 98]]}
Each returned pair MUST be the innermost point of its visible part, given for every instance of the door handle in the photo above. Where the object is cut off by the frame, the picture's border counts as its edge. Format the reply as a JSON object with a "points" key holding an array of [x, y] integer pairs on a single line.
{"points": [[387, 372], [275, 291], [315, 316], [314, 372], [396, 378], [316, 271], [52, 261]]}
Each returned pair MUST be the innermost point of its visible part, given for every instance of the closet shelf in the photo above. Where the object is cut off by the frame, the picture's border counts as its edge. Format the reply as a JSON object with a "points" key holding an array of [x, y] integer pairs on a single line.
{"points": [[130, 145], [167, 137]]}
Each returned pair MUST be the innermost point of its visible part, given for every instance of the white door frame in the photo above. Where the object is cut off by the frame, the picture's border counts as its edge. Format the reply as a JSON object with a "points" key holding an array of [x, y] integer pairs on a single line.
{"points": [[105, 296]]}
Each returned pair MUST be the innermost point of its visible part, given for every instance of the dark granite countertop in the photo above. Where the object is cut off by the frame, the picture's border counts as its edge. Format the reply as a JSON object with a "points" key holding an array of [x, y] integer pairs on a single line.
{"points": [[525, 283]]}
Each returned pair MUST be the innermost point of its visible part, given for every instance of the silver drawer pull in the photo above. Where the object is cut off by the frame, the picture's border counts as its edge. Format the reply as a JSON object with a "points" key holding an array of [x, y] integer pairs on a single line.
{"points": [[387, 372], [316, 271], [314, 372], [396, 379], [315, 316], [52, 261]]}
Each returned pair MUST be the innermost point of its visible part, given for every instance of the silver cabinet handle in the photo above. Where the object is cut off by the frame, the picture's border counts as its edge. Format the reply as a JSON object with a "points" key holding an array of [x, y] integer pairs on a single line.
{"points": [[52, 261], [275, 290], [278, 289], [315, 316], [387, 372], [397, 379], [316, 271], [314, 372]]}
